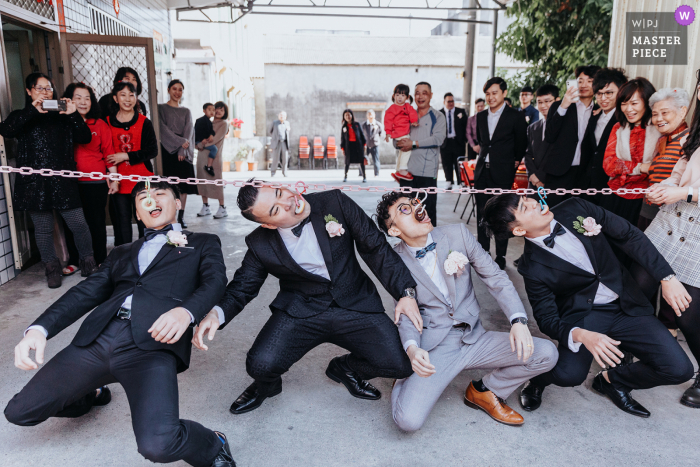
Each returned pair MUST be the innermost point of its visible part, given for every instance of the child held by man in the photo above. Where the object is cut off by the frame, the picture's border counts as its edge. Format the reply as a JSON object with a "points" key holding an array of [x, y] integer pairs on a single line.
{"points": [[398, 119]]}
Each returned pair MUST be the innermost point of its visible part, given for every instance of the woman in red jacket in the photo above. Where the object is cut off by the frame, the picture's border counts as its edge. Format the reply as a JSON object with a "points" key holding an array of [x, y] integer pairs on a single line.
{"points": [[92, 157], [134, 139]]}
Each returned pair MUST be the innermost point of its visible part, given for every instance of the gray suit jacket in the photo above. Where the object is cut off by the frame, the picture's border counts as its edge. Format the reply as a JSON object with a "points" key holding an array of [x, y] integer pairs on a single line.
{"points": [[437, 315], [276, 135]]}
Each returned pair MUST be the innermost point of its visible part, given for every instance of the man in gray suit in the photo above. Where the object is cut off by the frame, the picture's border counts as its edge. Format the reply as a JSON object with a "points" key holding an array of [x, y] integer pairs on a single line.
{"points": [[452, 337], [280, 143]]}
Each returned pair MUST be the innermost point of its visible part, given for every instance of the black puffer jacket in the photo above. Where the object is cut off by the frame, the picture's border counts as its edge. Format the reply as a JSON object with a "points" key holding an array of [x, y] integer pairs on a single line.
{"points": [[45, 141]]}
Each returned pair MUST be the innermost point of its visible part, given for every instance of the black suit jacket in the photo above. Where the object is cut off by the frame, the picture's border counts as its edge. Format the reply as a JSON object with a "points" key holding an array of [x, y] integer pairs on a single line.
{"points": [[505, 148], [562, 135], [193, 278], [536, 150], [460, 122], [592, 155], [303, 294], [562, 295]]}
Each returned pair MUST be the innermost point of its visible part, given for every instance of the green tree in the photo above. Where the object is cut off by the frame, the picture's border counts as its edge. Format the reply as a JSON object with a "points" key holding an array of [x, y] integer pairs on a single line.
{"points": [[554, 37]]}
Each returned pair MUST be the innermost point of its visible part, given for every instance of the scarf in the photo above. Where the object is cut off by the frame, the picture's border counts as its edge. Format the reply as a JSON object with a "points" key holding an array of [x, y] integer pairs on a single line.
{"points": [[623, 152]]}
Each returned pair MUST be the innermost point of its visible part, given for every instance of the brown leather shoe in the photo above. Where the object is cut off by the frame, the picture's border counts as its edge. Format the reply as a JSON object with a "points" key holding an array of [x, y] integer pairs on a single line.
{"points": [[495, 407]]}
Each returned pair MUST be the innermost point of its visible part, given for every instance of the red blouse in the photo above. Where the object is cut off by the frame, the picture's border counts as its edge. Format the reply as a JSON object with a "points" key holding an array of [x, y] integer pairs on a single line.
{"points": [[620, 171], [351, 134]]}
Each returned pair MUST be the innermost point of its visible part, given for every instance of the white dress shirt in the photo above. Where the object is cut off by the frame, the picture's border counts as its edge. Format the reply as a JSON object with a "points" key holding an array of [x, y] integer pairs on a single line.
{"points": [[450, 114], [583, 114], [149, 250], [569, 248], [304, 249], [492, 120], [601, 124]]}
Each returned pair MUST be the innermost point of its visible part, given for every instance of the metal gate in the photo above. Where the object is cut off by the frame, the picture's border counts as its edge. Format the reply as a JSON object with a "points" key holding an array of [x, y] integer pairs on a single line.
{"points": [[96, 58]]}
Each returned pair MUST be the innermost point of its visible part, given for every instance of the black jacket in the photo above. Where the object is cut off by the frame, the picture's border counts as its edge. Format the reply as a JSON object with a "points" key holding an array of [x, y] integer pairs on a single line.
{"points": [[45, 141], [193, 278], [303, 294], [460, 126], [505, 149], [536, 150], [592, 155], [355, 153], [203, 128], [561, 294], [562, 135]]}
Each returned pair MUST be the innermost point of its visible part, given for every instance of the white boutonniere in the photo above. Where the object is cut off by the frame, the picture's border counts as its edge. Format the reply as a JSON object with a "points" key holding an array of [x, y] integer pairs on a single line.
{"points": [[345, 129], [527, 119], [459, 115], [333, 227], [587, 226], [176, 238], [455, 263]]}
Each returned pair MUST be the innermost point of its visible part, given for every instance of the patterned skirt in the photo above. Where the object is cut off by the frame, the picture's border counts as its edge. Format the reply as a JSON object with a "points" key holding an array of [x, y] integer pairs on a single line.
{"points": [[675, 231]]}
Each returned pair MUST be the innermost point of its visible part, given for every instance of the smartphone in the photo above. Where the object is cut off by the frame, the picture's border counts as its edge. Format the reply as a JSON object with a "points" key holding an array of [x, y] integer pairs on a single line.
{"points": [[54, 105], [573, 83]]}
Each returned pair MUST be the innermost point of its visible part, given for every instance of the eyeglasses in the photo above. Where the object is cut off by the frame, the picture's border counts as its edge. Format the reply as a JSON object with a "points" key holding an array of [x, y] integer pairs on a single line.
{"points": [[607, 94], [407, 209], [43, 89]]}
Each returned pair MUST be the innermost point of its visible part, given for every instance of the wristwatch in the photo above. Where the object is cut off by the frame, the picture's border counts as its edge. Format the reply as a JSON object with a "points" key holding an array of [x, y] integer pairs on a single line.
{"points": [[689, 199], [519, 320], [414, 144], [410, 292], [669, 277]]}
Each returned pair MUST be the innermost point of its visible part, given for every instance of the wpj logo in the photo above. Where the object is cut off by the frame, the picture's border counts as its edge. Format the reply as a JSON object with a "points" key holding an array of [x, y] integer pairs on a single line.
{"points": [[657, 38]]}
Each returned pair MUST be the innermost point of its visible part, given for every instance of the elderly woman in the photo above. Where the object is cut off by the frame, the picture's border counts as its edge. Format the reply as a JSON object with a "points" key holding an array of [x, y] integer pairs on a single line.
{"points": [[675, 231], [669, 107], [631, 145]]}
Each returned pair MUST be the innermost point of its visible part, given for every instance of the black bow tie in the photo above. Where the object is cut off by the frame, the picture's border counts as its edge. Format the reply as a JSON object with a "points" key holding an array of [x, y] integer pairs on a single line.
{"points": [[150, 234], [297, 230], [424, 251], [558, 230]]}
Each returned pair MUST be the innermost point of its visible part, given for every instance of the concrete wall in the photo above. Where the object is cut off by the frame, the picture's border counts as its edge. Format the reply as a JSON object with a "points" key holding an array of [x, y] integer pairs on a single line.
{"points": [[314, 96]]}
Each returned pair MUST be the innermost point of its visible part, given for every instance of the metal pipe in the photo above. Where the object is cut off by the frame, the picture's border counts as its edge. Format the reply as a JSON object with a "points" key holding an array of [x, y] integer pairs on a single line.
{"points": [[494, 34], [469, 61], [257, 12], [364, 7]]}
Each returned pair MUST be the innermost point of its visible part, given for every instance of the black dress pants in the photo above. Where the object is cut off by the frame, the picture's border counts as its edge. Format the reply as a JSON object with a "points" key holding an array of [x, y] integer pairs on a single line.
{"points": [[149, 379], [662, 361], [449, 153], [485, 181], [121, 210], [431, 200], [372, 339]]}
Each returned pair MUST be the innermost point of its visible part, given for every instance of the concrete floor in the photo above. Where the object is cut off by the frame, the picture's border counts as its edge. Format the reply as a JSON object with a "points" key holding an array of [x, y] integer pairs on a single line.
{"points": [[315, 422]]}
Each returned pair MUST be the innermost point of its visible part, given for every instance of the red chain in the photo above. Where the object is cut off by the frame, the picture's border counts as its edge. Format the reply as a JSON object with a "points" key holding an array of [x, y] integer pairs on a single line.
{"points": [[307, 186]]}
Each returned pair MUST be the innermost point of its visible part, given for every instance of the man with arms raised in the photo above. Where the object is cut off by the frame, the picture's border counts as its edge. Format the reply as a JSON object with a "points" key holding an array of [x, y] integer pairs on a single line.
{"points": [[453, 338], [581, 294], [147, 295], [308, 243]]}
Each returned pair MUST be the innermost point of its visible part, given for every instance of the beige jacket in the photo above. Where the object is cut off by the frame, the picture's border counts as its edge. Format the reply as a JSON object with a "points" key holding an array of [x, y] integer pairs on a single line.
{"points": [[686, 173]]}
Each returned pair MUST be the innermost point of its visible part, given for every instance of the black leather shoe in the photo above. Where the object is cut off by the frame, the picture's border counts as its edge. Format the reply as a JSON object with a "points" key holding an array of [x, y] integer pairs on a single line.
{"points": [[224, 458], [104, 398], [531, 396], [501, 261], [251, 398], [691, 396], [340, 372], [622, 399]]}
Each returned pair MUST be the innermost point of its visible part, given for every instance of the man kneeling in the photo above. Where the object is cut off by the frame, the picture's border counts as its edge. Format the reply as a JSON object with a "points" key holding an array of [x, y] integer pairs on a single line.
{"points": [[581, 294], [148, 294], [453, 338]]}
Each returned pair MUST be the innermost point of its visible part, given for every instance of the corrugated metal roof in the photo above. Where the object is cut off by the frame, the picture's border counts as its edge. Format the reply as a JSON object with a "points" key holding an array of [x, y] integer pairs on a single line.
{"points": [[299, 49]]}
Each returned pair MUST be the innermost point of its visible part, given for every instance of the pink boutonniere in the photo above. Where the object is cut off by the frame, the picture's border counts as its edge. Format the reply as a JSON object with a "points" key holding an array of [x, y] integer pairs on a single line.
{"points": [[176, 238], [587, 226], [455, 263], [333, 227]]}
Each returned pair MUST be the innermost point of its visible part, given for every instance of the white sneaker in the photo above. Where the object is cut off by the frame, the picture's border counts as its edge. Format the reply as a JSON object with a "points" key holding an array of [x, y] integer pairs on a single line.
{"points": [[220, 213], [204, 212]]}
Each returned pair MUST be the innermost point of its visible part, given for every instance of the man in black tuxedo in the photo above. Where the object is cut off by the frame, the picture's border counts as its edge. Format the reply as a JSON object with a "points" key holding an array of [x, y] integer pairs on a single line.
{"points": [[606, 83], [581, 294], [147, 295], [309, 243], [455, 144], [502, 136], [567, 124], [536, 144]]}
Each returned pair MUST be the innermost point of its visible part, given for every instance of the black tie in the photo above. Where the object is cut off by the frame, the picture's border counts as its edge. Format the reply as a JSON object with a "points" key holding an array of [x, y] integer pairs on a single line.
{"points": [[449, 122], [558, 230], [150, 234], [297, 230]]}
